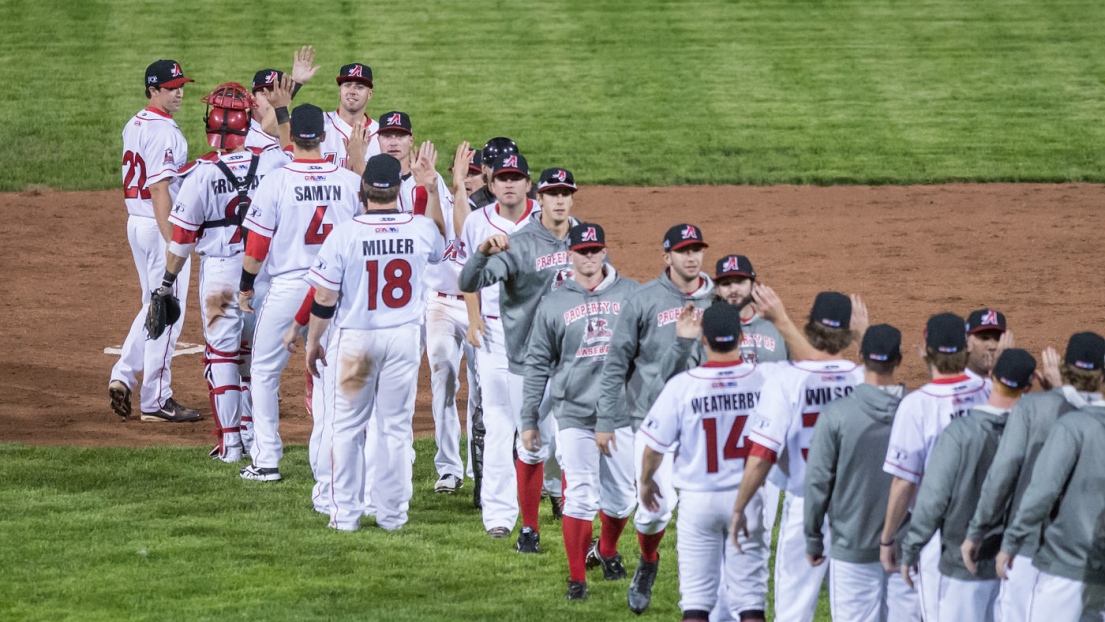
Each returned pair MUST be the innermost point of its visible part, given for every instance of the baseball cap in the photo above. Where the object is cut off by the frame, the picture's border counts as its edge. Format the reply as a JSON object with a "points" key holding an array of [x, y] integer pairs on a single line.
{"points": [[510, 163], [881, 342], [586, 235], [721, 325], [165, 74], [683, 235], [1085, 351], [985, 319], [944, 333], [382, 171], [307, 121], [355, 72], [1014, 368], [266, 79], [497, 147], [395, 121], [734, 265], [556, 178], [475, 165], [832, 309]]}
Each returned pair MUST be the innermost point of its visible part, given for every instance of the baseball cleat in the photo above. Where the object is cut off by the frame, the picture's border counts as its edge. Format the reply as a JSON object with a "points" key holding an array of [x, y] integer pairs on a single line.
{"points": [[499, 533], [448, 484], [260, 474], [640, 588], [173, 413], [529, 541], [120, 398], [557, 504], [593, 559], [229, 453], [577, 590], [612, 567]]}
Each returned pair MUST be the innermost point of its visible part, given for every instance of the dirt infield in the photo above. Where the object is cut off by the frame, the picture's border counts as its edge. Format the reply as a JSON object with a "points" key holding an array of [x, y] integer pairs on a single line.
{"points": [[1032, 251]]}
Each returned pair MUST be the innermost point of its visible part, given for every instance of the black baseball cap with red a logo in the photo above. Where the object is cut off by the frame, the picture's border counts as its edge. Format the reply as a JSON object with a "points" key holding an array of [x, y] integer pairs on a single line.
{"points": [[556, 178], [734, 265], [984, 320], [681, 236], [511, 163], [395, 121], [586, 235], [356, 72], [165, 74], [266, 79]]}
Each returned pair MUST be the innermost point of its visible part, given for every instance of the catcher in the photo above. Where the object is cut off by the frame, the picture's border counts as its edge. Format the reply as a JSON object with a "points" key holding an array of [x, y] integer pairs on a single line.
{"points": [[207, 216]]}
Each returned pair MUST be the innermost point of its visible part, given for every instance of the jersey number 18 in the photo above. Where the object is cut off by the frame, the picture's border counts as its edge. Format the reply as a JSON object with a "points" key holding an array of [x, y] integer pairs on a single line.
{"points": [[397, 283]]}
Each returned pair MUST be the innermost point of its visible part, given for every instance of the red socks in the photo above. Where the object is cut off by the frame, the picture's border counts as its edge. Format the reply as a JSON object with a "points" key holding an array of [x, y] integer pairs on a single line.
{"points": [[531, 479], [650, 546], [611, 531], [577, 539]]}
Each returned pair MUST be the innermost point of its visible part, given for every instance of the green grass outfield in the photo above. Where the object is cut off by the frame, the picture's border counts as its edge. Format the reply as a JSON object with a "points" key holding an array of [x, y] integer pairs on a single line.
{"points": [[637, 93], [168, 534]]}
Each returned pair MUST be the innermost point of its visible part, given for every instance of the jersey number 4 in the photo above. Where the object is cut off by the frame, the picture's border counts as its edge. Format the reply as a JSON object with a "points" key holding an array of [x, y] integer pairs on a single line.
{"points": [[732, 447], [397, 283], [134, 180], [317, 230]]}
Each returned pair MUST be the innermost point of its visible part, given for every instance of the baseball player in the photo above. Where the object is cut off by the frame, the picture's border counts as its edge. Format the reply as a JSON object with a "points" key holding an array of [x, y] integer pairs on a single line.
{"points": [[703, 412], [368, 277], [295, 209], [644, 353], [1064, 500], [987, 337], [567, 346], [207, 216], [492, 150], [154, 150], [781, 430], [1027, 428], [264, 81], [921, 417], [761, 341], [845, 482], [349, 122], [949, 493], [396, 138], [529, 263]]}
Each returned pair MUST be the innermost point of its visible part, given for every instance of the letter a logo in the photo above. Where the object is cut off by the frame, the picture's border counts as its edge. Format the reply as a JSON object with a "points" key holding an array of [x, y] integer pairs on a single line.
{"points": [[510, 162], [690, 233], [355, 72], [589, 235], [394, 119]]}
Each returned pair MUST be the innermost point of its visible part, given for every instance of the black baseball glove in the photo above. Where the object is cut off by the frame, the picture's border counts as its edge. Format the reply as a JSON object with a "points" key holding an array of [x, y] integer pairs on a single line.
{"points": [[164, 311]]}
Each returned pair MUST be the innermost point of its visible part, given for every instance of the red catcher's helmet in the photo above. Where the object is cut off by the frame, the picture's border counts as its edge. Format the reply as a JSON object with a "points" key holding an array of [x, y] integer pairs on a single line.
{"points": [[228, 115]]}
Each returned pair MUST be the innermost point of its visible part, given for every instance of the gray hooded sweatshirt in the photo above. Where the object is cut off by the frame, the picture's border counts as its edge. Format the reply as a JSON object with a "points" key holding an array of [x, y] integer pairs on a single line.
{"points": [[844, 476], [949, 493], [645, 352], [1029, 423], [568, 343], [535, 264], [1067, 496]]}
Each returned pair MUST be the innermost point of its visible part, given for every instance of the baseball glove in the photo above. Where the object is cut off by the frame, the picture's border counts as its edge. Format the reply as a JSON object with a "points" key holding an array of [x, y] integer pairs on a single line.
{"points": [[164, 311]]}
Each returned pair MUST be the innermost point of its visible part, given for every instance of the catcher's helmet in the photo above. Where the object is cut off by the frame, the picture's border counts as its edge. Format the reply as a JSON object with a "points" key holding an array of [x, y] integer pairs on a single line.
{"points": [[228, 115], [496, 148]]}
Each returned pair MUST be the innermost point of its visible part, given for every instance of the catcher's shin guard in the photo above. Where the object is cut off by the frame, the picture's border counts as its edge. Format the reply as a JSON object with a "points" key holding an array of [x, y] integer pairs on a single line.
{"points": [[225, 386], [245, 403], [476, 447]]}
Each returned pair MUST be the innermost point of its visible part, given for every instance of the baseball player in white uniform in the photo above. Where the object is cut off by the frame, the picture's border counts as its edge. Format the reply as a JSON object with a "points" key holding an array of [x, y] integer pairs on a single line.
{"points": [[702, 412], [264, 81], [207, 216], [369, 278], [349, 123], [780, 435], [154, 150], [295, 209], [921, 417]]}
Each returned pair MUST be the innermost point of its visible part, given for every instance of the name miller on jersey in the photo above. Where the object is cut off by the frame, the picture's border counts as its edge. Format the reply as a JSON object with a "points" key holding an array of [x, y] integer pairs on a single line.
{"points": [[318, 193], [404, 246], [727, 402]]}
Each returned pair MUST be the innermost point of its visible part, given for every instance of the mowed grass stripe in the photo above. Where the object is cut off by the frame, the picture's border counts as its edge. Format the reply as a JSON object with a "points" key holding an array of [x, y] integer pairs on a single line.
{"points": [[651, 92]]}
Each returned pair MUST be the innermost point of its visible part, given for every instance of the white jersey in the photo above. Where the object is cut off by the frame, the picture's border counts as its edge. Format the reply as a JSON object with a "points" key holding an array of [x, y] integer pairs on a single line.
{"points": [[790, 402], [413, 197], [258, 138], [377, 262], [153, 149], [705, 411], [337, 132], [207, 196], [297, 206], [922, 416], [443, 276], [987, 380], [480, 225]]}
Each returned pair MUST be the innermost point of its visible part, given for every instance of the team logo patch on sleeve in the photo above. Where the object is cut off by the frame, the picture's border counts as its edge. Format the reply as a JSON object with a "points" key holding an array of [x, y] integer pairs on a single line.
{"points": [[169, 159]]}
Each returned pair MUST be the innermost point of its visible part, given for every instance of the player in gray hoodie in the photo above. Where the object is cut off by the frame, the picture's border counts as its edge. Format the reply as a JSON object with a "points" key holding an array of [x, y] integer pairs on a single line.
{"points": [[949, 493]]}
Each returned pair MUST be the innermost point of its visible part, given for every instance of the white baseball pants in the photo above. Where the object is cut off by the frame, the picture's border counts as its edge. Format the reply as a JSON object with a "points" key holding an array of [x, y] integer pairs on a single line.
{"points": [[270, 357], [645, 520], [1059, 599], [593, 481], [967, 601], [928, 578], [150, 357], [319, 447], [249, 325], [364, 362], [868, 593], [709, 562], [222, 330], [446, 341], [1013, 598], [797, 583]]}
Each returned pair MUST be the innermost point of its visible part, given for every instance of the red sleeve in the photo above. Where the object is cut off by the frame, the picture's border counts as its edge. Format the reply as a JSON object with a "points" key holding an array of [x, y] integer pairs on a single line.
{"points": [[184, 236], [303, 316], [257, 246], [763, 453], [421, 197]]}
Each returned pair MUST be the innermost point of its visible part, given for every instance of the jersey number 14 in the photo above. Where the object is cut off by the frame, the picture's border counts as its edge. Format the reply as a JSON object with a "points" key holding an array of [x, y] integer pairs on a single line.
{"points": [[732, 449], [397, 290]]}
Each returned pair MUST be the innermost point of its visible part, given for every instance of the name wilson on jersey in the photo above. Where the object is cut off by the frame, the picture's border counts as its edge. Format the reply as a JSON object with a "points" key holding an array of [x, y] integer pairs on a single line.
{"points": [[824, 395], [318, 193], [726, 402]]}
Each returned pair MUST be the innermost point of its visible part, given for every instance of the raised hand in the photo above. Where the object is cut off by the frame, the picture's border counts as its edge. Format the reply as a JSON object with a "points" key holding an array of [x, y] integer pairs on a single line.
{"points": [[303, 67]]}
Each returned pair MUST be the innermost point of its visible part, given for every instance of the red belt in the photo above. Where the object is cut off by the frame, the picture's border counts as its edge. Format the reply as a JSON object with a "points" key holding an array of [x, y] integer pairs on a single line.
{"points": [[450, 296], [490, 317]]}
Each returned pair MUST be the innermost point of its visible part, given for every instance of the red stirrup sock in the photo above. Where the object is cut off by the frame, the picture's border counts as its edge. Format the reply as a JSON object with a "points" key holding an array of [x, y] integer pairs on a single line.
{"points": [[650, 545], [531, 478], [577, 539], [611, 532]]}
